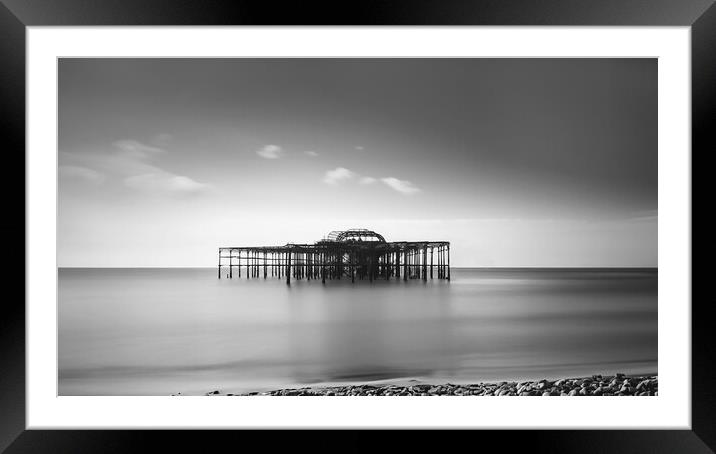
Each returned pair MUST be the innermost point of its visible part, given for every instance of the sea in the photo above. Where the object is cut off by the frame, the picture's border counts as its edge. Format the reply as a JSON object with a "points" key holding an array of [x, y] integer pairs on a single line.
{"points": [[149, 331]]}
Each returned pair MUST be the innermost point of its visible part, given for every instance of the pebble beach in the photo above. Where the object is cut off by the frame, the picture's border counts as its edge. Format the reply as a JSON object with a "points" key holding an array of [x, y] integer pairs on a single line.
{"points": [[596, 385]]}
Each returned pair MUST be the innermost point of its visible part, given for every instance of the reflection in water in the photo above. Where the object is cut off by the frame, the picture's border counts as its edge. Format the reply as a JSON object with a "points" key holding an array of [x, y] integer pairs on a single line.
{"points": [[161, 331], [384, 334]]}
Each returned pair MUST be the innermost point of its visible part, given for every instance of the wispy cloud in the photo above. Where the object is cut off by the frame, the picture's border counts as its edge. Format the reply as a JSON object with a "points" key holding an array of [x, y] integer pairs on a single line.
{"points": [[270, 152], [337, 175], [133, 163], [402, 186], [137, 149], [359, 148], [81, 173], [164, 182], [311, 153], [645, 215], [341, 174]]}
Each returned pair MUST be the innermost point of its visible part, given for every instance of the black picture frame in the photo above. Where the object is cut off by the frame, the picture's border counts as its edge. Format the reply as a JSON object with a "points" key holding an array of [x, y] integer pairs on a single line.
{"points": [[16, 15]]}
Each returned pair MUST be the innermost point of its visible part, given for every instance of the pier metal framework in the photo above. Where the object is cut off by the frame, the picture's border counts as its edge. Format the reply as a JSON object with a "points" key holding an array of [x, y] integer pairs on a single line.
{"points": [[349, 254]]}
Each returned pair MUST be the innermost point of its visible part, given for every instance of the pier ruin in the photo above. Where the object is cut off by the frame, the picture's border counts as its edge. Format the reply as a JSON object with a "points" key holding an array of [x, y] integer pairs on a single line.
{"points": [[349, 254]]}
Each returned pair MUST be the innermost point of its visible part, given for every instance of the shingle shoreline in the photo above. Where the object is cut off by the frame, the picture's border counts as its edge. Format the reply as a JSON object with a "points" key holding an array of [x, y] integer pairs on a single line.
{"points": [[596, 385]]}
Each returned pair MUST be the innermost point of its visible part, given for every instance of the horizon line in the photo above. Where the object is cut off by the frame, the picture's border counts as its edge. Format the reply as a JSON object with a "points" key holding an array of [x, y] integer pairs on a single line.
{"points": [[453, 267]]}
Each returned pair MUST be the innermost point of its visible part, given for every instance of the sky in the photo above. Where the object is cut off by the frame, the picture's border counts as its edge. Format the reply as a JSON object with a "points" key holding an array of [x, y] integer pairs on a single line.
{"points": [[516, 162]]}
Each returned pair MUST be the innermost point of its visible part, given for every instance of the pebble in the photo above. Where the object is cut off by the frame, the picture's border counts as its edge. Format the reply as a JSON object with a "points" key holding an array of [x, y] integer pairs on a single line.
{"points": [[596, 385]]}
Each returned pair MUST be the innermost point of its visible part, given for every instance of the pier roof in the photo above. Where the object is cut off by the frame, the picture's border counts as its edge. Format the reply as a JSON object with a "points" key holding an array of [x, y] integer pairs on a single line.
{"points": [[355, 235]]}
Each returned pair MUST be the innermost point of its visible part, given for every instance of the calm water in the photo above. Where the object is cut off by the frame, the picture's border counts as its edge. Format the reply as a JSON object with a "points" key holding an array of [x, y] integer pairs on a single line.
{"points": [[162, 331]]}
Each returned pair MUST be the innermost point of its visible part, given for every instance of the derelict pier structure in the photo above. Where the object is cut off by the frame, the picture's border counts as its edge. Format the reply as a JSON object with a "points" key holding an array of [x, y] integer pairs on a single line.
{"points": [[348, 254]]}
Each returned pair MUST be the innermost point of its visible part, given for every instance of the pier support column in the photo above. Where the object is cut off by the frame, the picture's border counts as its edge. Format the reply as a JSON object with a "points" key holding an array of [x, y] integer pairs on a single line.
{"points": [[397, 265], [425, 263], [440, 263], [431, 263], [288, 268], [405, 265], [448, 262]]}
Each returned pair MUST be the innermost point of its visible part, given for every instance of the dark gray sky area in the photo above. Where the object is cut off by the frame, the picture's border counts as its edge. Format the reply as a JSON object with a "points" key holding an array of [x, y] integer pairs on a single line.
{"points": [[517, 162]]}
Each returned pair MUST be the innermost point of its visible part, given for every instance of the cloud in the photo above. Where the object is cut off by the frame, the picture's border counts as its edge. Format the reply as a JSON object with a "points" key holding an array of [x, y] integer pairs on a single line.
{"points": [[402, 186], [270, 152], [134, 164], [311, 153], [645, 215], [165, 182], [81, 173], [360, 148], [137, 149], [341, 174], [337, 175]]}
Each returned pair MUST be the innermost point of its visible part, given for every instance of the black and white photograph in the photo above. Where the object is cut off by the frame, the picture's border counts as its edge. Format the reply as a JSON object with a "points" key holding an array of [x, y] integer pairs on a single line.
{"points": [[357, 227]]}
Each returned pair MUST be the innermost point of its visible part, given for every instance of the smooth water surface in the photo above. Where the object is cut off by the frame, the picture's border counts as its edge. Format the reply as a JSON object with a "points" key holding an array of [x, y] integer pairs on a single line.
{"points": [[163, 331]]}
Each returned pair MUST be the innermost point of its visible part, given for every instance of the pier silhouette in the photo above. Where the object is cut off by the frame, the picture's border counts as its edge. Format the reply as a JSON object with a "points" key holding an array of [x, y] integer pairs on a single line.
{"points": [[348, 254]]}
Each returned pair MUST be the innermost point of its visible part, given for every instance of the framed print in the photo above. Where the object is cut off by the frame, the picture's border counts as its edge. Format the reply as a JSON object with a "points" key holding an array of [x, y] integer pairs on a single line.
{"points": [[412, 217]]}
